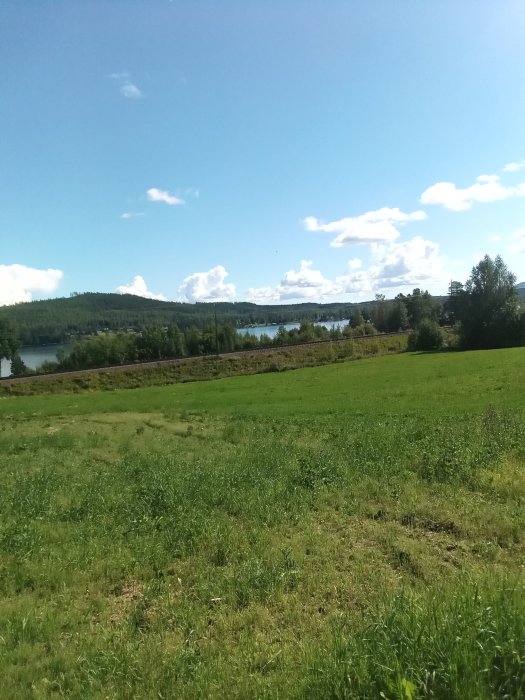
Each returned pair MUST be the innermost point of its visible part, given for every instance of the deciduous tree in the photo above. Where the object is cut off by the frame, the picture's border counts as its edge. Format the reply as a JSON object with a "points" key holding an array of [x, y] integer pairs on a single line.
{"points": [[489, 312]]}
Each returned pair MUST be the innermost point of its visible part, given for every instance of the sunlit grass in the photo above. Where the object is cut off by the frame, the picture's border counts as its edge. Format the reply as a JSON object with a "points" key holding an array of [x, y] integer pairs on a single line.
{"points": [[343, 531]]}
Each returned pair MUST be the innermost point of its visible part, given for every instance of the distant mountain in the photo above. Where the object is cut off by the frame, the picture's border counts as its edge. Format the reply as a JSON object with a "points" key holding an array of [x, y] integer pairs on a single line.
{"points": [[521, 289]]}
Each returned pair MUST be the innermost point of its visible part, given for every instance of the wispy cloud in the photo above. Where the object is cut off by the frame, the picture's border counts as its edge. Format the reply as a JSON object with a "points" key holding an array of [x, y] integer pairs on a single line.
{"points": [[123, 75], [513, 167], [208, 286], [192, 192], [373, 227], [518, 241], [131, 214], [127, 88], [140, 289], [487, 188], [156, 195], [20, 283]]}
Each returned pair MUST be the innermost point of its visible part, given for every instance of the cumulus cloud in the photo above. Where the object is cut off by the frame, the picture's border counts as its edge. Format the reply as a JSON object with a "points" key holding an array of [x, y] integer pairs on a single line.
{"points": [[305, 278], [373, 227], [131, 214], [20, 283], [208, 286], [487, 188], [518, 241], [513, 167], [414, 263], [495, 239], [156, 195], [304, 283], [131, 91], [140, 289]]}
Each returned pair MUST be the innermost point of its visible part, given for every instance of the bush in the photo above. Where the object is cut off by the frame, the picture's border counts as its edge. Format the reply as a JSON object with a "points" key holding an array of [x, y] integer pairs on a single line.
{"points": [[427, 337], [364, 329]]}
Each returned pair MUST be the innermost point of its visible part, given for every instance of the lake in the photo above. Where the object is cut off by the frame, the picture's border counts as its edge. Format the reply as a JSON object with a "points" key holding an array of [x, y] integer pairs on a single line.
{"points": [[272, 330], [33, 356]]}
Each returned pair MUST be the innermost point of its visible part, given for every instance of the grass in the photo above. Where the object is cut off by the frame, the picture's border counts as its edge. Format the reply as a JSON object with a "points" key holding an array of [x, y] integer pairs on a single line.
{"points": [[348, 531], [442, 383]]}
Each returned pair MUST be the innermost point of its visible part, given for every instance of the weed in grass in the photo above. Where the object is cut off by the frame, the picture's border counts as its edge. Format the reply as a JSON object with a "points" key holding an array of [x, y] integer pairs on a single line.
{"points": [[468, 644]]}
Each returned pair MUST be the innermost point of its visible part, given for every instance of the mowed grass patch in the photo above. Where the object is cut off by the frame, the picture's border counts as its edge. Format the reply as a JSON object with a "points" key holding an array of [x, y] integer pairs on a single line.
{"points": [[260, 543]]}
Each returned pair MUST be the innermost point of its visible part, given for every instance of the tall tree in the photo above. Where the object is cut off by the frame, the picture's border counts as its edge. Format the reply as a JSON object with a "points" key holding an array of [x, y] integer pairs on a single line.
{"points": [[489, 311], [455, 300], [420, 305]]}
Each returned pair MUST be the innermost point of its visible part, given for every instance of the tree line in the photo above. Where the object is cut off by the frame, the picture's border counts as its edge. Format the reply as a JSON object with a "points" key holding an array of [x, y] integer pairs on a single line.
{"points": [[157, 342]]}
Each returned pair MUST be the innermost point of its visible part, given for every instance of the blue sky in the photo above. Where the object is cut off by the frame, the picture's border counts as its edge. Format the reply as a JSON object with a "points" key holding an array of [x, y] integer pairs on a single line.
{"points": [[264, 151]]}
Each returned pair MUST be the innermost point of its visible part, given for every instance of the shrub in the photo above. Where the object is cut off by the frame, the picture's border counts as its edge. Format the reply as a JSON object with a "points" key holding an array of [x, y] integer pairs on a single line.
{"points": [[427, 337]]}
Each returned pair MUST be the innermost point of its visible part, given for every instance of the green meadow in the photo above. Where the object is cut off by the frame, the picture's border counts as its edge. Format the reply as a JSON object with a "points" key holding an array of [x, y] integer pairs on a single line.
{"points": [[355, 530]]}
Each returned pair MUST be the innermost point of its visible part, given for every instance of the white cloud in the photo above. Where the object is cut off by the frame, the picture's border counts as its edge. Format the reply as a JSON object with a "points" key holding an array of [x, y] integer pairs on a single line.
{"points": [[513, 167], [415, 263], [519, 245], [372, 227], [495, 239], [19, 283], [305, 277], [130, 91], [140, 289], [487, 188], [263, 295], [131, 214], [304, 283], [208, 286], [156, 195]]}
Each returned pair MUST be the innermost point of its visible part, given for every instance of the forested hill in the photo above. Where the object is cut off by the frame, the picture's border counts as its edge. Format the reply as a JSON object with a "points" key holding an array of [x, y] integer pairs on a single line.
{"points": [[55, 320]]}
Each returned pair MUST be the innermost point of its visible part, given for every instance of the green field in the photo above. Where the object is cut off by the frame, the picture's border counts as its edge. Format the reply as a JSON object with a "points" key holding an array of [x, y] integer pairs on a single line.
{"points": [[355, 530]]}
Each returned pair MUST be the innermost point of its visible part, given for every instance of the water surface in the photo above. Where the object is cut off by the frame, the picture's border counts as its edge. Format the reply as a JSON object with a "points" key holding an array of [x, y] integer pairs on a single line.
{"points": [[34, 355]]}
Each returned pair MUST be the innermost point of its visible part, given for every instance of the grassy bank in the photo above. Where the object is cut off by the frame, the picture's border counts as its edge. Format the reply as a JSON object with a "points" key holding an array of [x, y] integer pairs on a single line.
{"points": [[343, 531], [203, 368]]}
